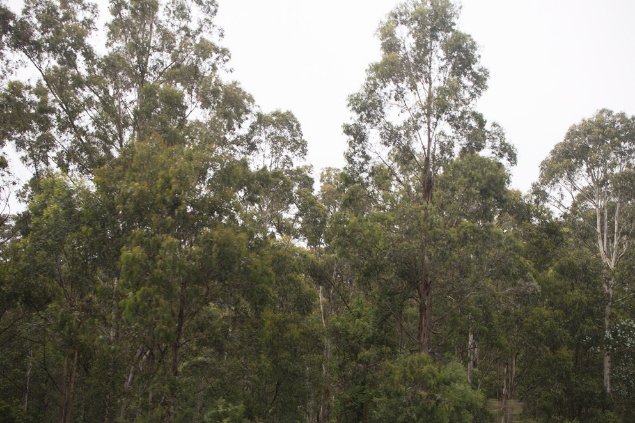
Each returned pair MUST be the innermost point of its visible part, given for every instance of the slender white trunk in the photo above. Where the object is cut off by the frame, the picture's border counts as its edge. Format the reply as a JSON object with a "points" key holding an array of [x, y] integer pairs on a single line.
{"points": [[472, 355], [324, 413], [610, 252], [607, 326]]}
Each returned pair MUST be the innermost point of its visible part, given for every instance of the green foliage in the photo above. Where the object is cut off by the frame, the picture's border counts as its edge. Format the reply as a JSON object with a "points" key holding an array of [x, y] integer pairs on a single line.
{"points": [[174, 263], [414, 388], [416, 108]]}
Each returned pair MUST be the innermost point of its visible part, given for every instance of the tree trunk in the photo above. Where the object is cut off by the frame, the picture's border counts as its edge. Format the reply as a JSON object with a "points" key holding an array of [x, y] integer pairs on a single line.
{"points": [[68, 386], [72, 387], [139, 358], [509, 382], [425, 312], [324, 413], [425, 283], [29, 366], [607, 321], [505, 418], [472, 355], [176, 347]]}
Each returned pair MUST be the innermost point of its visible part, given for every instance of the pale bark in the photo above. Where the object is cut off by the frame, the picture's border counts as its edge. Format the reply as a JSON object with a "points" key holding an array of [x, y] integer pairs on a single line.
{"points": [[611, 251], [324, 413], [472, 355], [139, 359], [606, 368], [592, 182]]}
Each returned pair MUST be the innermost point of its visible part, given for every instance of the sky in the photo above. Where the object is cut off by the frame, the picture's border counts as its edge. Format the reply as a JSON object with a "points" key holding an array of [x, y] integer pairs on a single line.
{"points": [[552, 63]]}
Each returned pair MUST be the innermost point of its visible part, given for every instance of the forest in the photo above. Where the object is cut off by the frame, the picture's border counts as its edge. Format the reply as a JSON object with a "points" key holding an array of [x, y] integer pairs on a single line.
{"points": [[174, 260]]}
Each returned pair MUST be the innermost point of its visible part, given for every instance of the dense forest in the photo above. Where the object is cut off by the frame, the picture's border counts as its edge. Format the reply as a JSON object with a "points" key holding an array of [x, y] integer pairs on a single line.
{"points": [[174, 259]]}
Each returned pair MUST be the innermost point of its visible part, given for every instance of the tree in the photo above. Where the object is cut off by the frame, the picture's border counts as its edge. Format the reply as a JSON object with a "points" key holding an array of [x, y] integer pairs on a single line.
{"points": [[160, 71], [591, 174], [414, 388], [275, 140], [140, 224], [416, 110], [487, 273]]}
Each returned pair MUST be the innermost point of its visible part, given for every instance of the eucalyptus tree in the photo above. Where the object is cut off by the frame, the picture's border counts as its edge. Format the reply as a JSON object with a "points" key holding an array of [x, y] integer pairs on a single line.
{"points": [[591, 175], [146, 146], [416, 110], [281, 188], [275, 141], [92, 100], [487, 270]]}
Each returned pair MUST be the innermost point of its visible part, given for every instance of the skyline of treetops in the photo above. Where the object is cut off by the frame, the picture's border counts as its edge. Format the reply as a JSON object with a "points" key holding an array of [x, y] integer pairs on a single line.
{"points": [[174, 258]]}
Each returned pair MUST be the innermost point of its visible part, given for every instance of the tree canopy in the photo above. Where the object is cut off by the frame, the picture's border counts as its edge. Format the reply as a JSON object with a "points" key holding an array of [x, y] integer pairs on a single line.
{"points": [[174, 260]]}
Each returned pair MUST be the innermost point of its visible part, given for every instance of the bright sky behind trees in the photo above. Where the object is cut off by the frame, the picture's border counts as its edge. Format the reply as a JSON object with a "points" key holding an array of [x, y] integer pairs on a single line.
{"points": [[551, 64], [171, 261]]}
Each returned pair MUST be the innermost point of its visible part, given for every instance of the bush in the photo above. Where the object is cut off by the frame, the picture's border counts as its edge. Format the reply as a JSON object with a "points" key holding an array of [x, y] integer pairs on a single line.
{"points": [[414, 388]]}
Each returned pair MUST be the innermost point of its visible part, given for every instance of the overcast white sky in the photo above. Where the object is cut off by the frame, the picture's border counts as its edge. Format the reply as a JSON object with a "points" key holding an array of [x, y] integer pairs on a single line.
{"points": [[551, 63]]}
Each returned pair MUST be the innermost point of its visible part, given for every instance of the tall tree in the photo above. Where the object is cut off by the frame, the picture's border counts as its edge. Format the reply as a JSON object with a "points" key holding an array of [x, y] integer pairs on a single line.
{"points": [[142, 204], [160, 69], [416, 111], [592, 176]]}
